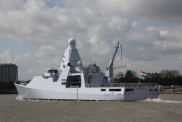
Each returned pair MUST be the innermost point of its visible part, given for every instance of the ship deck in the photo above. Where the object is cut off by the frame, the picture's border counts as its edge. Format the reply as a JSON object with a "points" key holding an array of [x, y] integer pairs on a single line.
{"points": [[122, 85]]}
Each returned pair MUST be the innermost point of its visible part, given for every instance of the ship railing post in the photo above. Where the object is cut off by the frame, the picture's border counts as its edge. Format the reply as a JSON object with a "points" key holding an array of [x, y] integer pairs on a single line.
{"points": [[172, 89], [159, 88], [77, 92]]}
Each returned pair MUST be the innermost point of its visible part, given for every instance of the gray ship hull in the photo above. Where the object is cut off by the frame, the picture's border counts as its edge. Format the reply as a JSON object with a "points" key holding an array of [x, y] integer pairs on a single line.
{"points": [[86, 94]]}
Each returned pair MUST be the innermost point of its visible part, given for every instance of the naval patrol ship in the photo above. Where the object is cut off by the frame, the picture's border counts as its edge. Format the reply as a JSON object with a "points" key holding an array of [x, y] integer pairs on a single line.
{"points": [[73, 81]]}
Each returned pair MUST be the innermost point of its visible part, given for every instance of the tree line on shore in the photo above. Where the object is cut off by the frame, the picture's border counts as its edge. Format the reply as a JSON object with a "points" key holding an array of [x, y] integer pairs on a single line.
{"points": [[165, 78], [9, 87]]}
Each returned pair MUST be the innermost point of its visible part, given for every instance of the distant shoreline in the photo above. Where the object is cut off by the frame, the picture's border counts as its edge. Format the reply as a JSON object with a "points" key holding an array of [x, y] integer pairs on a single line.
{"points": [[4, 91]]}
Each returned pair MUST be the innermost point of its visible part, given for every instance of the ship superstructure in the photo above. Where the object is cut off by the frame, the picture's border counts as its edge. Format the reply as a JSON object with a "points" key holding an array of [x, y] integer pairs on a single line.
{"points": [[73, 81]]}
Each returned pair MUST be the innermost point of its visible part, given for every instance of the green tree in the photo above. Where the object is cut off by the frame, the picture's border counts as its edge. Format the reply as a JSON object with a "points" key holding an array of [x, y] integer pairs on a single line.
{"points": [[131, 77]]}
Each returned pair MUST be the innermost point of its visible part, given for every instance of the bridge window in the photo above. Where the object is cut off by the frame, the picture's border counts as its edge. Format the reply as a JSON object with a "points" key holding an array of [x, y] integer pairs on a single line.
{"points": [[52, 71]]}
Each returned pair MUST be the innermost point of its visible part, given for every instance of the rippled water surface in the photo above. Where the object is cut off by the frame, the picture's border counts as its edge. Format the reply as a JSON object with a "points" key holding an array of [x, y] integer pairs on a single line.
{"points": [[167, 109]]}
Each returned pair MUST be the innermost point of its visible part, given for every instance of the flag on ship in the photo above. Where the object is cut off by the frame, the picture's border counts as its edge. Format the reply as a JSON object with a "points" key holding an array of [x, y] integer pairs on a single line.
{"points": [[143, 74]]}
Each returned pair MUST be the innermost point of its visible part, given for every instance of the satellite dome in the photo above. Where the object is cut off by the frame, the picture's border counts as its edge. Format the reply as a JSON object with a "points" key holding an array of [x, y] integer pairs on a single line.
{"points": [[72, 41]]}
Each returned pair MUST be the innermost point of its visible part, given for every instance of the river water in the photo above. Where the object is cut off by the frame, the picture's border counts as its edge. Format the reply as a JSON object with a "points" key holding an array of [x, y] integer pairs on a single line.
{"points": [[168, 108]]}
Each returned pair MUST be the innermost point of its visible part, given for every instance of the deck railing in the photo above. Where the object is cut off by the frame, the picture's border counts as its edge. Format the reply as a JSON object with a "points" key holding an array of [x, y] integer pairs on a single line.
{"points": [[122, 85], [170, 89]]}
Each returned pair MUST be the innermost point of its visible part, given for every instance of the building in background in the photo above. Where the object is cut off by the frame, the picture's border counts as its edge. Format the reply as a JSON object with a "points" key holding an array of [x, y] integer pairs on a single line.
{"points": [[8, 72]]}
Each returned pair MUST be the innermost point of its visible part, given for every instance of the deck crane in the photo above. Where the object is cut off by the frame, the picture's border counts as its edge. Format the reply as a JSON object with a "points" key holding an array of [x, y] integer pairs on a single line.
{"points": [[109, 69]]}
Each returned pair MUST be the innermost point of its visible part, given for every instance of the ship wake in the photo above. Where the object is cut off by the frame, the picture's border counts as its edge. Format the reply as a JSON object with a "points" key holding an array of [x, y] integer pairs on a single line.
{"points": [[19, 98], [161, 101]]}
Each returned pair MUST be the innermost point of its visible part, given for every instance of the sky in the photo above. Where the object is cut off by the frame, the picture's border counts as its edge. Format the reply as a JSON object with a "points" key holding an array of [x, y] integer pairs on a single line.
{"points": [[34, 33]]}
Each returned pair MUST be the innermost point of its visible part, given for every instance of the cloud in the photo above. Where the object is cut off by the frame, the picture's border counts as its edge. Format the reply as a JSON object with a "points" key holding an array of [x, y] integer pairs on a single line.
{"points": [[45, 52], [6, 56], [168, 47], [97, 26], [35, 64], [10, 5], [155, 10]]}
